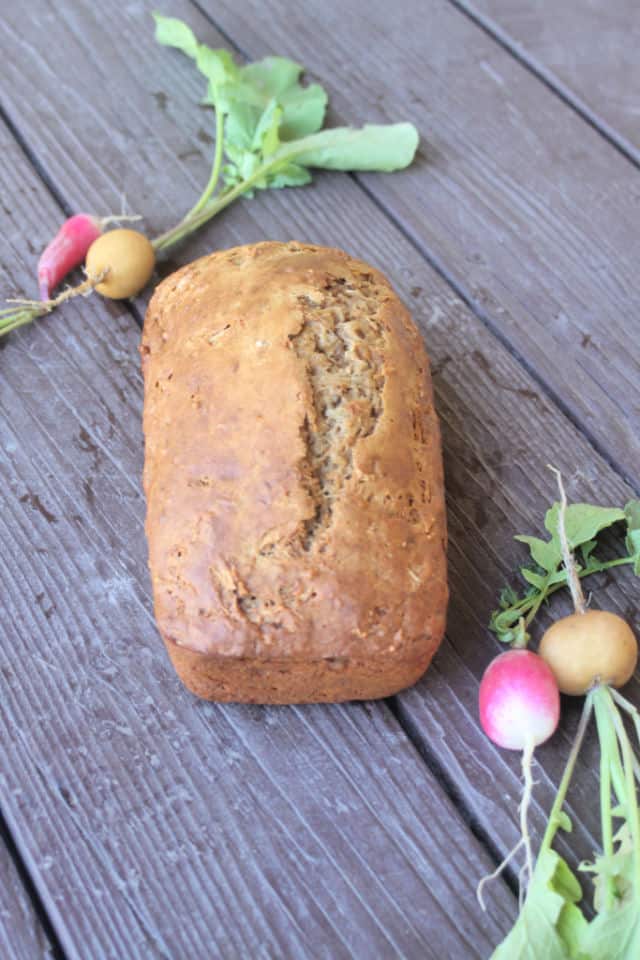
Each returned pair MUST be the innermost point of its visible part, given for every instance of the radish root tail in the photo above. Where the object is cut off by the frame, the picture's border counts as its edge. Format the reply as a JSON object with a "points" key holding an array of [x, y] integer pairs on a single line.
{"points": [[525, 803], [28, 310], [496, 873], [526, 871], [119, 218]]}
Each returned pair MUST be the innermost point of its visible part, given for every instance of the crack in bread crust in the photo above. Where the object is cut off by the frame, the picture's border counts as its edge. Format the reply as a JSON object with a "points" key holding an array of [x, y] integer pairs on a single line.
{"points": [[341, 341]]}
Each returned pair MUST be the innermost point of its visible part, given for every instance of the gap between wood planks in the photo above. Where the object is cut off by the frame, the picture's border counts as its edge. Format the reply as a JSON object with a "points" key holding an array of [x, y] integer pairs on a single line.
{"points": [[429, 757], [550, 80], [6, 837]]}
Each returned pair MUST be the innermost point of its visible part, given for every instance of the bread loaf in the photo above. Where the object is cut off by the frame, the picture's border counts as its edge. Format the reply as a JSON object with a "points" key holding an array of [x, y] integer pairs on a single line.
{"points": [[295, 509]]}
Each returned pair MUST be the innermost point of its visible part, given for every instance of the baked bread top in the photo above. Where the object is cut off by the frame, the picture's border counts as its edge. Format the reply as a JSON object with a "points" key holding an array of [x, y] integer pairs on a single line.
{"points": [[293, 468]]}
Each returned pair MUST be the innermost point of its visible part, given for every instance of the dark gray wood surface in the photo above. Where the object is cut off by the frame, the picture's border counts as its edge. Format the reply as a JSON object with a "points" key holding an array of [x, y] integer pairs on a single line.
{"points": [[319, 822], [586, 49], [21, 933], [524, 207]]}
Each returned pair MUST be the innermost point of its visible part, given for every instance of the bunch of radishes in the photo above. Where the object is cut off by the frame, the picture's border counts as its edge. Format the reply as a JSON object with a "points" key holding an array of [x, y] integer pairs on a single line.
{"points": [[587, 652], [118, 264], [123, 258], [519, 692]]}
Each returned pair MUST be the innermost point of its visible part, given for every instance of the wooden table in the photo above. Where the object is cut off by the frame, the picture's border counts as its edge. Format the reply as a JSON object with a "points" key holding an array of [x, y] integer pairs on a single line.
{"points": [[138, 822]]}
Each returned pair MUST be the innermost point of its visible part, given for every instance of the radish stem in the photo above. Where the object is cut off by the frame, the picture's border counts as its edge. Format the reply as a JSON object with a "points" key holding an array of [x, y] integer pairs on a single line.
{"points": [[567, 555], [528, 606], [604, 730], [556, 809], [288, 152], [632, 711], [632, 813], [217, 166]]}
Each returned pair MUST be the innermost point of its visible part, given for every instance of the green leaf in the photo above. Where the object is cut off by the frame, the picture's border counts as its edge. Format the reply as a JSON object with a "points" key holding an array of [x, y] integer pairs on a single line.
{"points": [[303, 111], [549, 926], [240, 126], [535, 579], [632, 514], [279, 78], [265, 137], [586, 549], [276, 78], [272, 76], [271, 129], [502, 620], [564, 822], [583, 521], [290, 175], [171, 32], [217, 66], [508, 597], [617, 868], [571, 926], [632, 541], [383, 147], [614, 935], [546, 553], [560, 576]]}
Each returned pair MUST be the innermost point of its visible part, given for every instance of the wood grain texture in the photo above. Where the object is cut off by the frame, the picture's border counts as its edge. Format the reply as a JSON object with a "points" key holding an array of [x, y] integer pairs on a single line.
{"points": [[155, 825], [498, 430], [586, 48], [521, 204], [21, 933]]}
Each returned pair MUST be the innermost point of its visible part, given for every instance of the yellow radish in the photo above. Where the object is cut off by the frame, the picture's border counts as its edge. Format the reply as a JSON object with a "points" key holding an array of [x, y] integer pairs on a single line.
{"points": [[586, 648], [127, 259]]}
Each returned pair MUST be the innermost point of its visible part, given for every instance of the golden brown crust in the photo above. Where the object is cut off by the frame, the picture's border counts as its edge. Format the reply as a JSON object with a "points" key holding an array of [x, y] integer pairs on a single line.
{"points": [[293, 478]]}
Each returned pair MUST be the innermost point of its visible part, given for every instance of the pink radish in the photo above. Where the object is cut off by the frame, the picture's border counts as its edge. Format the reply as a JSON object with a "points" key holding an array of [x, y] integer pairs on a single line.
{"points": [[519, 709], [67, 250], [519, 700]]}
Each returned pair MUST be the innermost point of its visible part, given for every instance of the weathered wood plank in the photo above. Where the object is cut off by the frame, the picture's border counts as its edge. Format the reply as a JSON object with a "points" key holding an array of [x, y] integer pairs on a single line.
{"points": [[21, 934], [158, 825], [587, 50], [495, 451], [526, 208]]}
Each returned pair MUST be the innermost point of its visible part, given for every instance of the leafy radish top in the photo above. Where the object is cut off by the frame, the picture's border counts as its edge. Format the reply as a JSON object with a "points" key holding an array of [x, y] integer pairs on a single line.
{"points": [[268, 125], [269, 134], [590, 652]]}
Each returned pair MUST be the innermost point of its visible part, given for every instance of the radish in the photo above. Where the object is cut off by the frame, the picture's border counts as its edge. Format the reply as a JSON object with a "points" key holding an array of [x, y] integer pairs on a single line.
{"points": [[588, 652], [589, 647], [519, 705], [519, 700], [67, 250], [125, 259]]}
